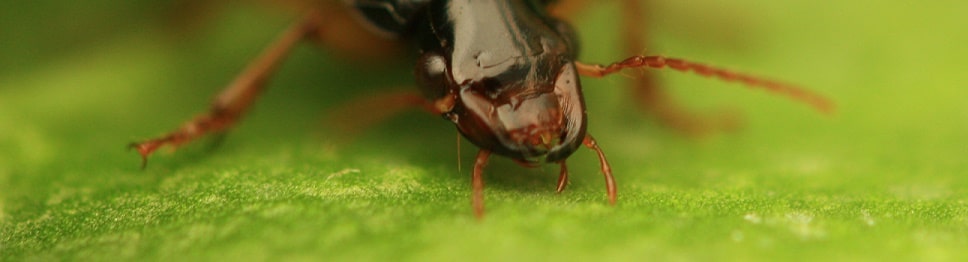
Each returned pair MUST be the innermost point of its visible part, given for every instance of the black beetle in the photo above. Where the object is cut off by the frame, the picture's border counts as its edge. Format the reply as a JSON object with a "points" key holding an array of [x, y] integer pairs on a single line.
{"points": [[505, 72]]}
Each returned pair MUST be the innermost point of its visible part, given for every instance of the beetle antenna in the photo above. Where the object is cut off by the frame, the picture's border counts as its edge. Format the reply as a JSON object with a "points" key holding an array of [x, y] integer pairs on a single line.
{"points": [[817, 101]]}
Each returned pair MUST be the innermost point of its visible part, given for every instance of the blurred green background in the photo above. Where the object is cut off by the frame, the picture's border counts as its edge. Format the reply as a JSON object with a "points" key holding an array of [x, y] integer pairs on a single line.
{"points": [[883, 179]]}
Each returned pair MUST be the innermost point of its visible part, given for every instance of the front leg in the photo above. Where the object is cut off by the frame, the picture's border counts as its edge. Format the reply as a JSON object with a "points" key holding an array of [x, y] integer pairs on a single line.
{"points": [[232, 102]]}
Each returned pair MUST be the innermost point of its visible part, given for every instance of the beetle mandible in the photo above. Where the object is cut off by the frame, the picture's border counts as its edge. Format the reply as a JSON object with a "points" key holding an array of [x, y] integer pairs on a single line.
{"points": [[505, 72]]}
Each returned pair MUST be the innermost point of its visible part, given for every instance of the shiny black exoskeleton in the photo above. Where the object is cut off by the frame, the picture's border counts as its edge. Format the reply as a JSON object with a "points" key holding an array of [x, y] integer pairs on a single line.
{"points": [[502, 71]]}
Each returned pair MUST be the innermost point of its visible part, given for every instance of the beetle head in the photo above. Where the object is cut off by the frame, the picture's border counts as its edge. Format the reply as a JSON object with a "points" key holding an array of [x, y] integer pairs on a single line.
{"points": [[527, 118]]}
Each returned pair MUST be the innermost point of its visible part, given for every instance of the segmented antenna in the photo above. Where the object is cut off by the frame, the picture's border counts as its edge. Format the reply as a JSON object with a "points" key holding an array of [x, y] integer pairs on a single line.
{"points": [[817, 101]]}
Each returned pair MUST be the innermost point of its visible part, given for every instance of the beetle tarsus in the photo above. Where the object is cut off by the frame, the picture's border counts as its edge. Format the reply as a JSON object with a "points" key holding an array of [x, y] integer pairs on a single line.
{"points": [[143, 150]]}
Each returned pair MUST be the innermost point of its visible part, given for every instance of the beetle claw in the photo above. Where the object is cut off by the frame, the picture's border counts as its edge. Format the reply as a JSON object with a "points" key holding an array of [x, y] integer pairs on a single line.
{"points": [[145, 149]]}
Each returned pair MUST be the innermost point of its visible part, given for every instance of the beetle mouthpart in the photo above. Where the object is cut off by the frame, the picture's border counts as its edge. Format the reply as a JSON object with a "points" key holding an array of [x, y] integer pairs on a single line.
{"points": [[536, 137], [544, 139], [535, 140]]}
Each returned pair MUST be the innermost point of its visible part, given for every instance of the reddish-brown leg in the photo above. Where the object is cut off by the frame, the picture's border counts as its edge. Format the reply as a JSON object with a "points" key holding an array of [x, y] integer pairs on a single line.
{"points": [[646, 91], [563, 177], [645, 86], [477, 183], [649, 96], [233, 101], [341, 32], [633, 31], [815, 100], [606, 169], [344, 33], [567, 8], [359, 114]]}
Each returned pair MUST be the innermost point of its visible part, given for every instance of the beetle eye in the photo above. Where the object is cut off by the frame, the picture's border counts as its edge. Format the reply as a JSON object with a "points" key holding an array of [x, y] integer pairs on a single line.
{"points": [[432, 75]]}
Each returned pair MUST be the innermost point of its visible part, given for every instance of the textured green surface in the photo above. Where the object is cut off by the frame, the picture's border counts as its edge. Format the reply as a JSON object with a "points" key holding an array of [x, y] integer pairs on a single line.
{"points": [[885, 178]]}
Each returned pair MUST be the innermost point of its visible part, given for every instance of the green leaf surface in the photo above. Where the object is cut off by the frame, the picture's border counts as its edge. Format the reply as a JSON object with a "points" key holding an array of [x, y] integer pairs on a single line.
{"points": [[882, 179]]}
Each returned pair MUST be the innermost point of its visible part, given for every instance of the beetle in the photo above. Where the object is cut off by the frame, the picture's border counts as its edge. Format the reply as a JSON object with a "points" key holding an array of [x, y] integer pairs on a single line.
{"points": [[505, 72]]}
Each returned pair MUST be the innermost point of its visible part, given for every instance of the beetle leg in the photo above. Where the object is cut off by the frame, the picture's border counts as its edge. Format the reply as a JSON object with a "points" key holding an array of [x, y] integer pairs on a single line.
{"points": [[650, 97], [567, 8], [233, 101], [361, 113], [646, 90], [606, 169], [656, 100], [344, 32], [817, 101], [356, 116], [563, 177], [477, 183]]}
